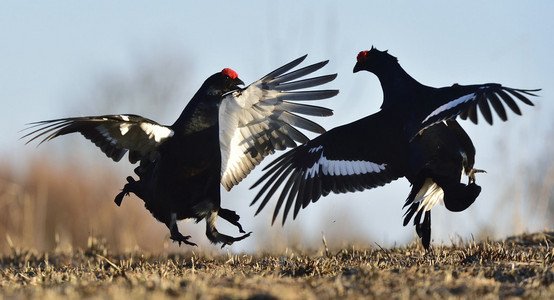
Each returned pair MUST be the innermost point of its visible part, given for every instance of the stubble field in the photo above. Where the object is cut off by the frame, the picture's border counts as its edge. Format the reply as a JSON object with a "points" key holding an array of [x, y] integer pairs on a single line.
{"points": [[44, 254], [520, 266]]}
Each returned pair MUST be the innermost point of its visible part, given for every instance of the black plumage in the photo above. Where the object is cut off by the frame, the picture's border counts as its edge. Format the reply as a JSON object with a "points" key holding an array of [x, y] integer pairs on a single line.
{"points": [[414, 135], [221, 135]]}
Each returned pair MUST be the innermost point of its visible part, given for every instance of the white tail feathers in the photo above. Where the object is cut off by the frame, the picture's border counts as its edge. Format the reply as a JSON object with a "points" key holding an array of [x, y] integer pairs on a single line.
{"points": [[429, 195]]}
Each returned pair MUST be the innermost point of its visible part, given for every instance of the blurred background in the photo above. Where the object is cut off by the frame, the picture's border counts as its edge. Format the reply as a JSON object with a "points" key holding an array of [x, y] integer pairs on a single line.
{"points": [[65, 58]]}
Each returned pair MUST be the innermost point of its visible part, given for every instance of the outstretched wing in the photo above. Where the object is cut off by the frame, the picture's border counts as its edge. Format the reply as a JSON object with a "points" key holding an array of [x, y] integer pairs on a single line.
{"points": [[349, 158], [256, 121], [464, 101], [113, 134]]}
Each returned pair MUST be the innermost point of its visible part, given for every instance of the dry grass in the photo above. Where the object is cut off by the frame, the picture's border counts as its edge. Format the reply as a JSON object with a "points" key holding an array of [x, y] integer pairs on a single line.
{"points": [[52, 206], [45, 254], [520, 266]]}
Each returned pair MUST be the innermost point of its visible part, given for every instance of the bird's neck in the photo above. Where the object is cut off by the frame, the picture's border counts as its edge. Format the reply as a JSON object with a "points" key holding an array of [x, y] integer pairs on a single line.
{"points": [[200, 114], [398, 86]]}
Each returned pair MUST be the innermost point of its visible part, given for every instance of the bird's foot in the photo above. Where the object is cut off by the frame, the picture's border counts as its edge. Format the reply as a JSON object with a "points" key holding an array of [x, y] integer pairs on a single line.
{"points": [[176, 236], [125, 191], [119, 198], [179, 238], [214, 236], [231, 217], [471, 175], [229, 240]]}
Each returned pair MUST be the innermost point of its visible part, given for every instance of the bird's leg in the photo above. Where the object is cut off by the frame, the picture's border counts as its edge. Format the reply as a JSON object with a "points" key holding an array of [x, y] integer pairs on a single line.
{"points": [[231, 217], [215, 237], [125, 191], [176, 236], [471, 175]]}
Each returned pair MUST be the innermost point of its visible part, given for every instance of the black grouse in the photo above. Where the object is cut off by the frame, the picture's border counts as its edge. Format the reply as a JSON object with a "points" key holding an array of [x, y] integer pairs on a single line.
{"points": [[221, 135], [414, 135]]}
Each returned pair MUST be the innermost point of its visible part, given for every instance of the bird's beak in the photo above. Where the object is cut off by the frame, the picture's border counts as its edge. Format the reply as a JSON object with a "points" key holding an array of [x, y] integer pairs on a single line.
{"points": [[357, 68], [237, 81]]}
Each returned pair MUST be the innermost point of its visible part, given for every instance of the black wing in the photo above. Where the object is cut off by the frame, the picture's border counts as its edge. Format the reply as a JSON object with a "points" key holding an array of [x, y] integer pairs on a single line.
{"points": [[464, 101], [113, 134], [357, 156]]}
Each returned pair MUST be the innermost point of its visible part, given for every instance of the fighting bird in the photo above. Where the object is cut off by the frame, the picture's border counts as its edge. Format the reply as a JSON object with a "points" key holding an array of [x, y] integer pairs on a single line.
{"points": [[221, 135], [414, 135]]}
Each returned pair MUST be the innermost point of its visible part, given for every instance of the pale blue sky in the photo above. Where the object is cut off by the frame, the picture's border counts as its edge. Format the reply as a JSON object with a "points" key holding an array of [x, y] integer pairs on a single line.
{"points": [[51, 52]]}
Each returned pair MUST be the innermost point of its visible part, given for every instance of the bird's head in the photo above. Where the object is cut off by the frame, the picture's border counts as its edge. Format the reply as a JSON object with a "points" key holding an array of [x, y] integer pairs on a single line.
{"points": [[374, 60], [223, 82], [231, 78]]}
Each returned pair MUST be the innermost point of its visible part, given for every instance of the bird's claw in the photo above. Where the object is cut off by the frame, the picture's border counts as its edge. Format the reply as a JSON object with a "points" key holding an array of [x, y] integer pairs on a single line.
{"points": [[230, 240], [119, 198], [471, 175], [182, 239]]}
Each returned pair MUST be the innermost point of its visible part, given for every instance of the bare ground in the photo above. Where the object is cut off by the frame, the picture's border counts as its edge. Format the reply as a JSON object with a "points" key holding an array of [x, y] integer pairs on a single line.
{"points": [[520, 266]]}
